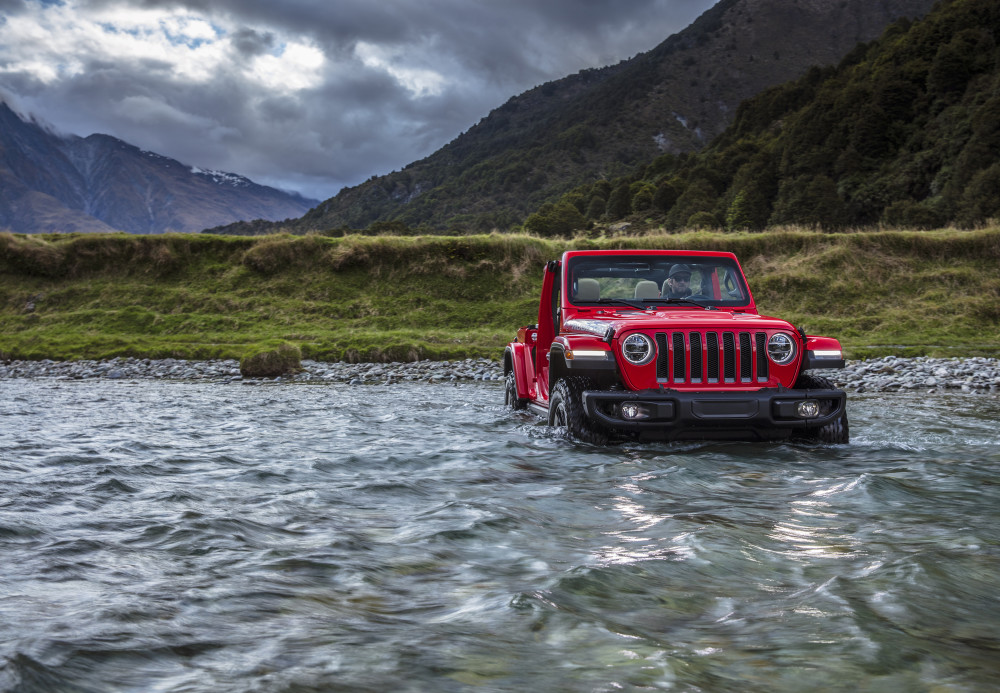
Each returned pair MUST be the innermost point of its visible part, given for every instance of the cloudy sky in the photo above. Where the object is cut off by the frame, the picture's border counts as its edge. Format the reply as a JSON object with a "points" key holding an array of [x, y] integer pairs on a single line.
{"points": [[305, 95]]}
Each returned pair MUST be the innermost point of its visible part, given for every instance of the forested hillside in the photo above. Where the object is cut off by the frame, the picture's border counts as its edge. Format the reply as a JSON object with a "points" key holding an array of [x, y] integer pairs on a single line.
{"points": [[904, 132], [601, 123]]}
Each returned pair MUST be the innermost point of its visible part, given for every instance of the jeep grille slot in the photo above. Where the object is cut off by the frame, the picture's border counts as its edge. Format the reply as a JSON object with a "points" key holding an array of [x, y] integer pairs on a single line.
{"points": [[680, 357], [695, 357], [662, 357], [762, 368], [713, 357], [746, 358], [729, 357]]}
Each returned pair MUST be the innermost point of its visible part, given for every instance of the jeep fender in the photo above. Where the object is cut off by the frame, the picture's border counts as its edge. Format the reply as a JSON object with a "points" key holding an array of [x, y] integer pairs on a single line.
{"points": [[822, 352], [581, 355], [515, 359]]}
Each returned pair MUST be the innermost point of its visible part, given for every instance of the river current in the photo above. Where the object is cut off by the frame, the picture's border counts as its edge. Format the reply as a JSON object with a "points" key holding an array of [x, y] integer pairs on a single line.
{"points": [[176, 536]]}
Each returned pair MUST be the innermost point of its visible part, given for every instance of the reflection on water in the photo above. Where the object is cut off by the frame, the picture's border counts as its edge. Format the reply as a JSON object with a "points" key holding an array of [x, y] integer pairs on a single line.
{"points": [[195, 537]]}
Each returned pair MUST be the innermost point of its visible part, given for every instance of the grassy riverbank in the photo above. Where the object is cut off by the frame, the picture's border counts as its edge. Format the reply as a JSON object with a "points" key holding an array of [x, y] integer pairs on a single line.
{"points": [[362, 298]]}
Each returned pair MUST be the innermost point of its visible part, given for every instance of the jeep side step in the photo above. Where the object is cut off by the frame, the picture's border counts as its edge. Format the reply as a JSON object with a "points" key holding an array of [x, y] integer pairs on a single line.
{"points": [[539, 410]]}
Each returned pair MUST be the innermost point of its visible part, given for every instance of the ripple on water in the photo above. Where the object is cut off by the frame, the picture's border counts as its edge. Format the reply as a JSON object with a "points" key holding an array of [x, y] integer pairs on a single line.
{"points": [[209, 537]]}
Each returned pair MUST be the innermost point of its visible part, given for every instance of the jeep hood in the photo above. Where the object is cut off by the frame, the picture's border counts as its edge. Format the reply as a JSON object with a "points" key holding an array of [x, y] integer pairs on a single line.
{"points": [[615, 322]]}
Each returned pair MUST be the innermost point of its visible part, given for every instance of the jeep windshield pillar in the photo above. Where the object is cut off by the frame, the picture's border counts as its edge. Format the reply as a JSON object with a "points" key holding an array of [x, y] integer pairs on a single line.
{"points": [[668, 345]]}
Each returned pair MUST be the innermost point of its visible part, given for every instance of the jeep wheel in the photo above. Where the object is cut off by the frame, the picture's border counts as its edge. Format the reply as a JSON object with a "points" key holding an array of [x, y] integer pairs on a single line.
{"points": [[510, 397], [837, 432], [566, 409]]}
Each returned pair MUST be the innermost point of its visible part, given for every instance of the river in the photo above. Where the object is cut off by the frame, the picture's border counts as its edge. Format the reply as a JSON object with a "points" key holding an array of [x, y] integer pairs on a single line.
{"points": [[187, 537]]}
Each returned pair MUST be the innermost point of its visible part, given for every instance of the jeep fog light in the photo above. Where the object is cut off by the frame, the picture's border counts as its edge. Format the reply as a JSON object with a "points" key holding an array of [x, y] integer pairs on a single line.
{"points": [[808, 409], [633, 411]]}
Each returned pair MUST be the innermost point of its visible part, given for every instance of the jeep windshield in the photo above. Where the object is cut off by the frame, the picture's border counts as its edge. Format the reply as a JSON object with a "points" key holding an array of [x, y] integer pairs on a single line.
{"points": [[648, 281]]}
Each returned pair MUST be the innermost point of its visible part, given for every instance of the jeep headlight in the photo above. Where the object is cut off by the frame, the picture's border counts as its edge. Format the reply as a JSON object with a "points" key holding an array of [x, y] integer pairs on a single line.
{"points": [[638, 349], [781, 348]]}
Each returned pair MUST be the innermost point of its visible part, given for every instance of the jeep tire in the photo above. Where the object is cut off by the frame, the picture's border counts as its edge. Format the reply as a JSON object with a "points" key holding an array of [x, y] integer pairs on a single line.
{"points": [[836, 432], [566, 409], [510, 397]]}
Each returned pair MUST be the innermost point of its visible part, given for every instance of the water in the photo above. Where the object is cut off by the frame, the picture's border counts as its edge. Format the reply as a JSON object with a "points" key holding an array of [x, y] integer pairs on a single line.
{"points": [[292, 538]]}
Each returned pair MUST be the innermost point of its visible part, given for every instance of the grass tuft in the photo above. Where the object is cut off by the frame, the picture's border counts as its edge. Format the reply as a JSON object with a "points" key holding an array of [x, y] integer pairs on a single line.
{"points": [[271, 363]]}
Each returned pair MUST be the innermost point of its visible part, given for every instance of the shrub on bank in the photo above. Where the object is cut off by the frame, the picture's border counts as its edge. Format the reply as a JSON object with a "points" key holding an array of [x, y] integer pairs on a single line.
{"points": [[284, 360]]}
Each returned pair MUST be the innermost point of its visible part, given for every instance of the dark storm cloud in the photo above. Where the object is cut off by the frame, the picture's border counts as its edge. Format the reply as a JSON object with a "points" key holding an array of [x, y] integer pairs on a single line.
{"points": [[250, 43], [504, 41], [310, 94]]}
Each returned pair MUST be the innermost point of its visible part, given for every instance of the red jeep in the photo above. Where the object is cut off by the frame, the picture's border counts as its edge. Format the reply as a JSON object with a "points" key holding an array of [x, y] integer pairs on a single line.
{"points": [[665, 345]]}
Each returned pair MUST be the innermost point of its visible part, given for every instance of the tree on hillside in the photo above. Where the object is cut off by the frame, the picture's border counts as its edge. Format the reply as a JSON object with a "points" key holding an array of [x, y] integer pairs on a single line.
{"points": [[981, 201], [558, 219], [809, 200]]}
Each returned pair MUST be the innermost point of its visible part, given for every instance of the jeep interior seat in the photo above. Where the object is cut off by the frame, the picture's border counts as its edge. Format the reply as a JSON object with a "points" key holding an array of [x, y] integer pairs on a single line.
{"points": [[647, 289], [587, 290]]}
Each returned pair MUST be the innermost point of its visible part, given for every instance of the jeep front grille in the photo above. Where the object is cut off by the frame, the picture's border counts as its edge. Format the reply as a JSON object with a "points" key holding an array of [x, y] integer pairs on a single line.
{"points": [[711, 357]]}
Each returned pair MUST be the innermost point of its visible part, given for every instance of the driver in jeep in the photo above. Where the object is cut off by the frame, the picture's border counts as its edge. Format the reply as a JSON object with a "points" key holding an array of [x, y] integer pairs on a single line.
{"points": [[678, 283]]}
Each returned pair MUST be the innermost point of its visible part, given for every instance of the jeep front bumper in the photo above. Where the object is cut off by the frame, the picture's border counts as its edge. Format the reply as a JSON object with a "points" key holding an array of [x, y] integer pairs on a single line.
{"points": [[668, 414]]}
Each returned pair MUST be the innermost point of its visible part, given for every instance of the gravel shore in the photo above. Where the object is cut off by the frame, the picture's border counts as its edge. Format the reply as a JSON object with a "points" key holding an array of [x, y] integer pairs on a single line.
{"points": [[891, 373], [229, 371]]}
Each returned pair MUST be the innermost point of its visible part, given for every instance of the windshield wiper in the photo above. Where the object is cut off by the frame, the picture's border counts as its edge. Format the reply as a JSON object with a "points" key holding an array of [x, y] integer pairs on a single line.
{"points": [[647, 303], [638, 304], [679, 300]]}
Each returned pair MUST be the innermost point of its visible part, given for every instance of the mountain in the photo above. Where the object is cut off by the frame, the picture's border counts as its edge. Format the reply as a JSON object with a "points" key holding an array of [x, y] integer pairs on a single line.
{"points": [[600, 123], [904, 132], [51, 183]]}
